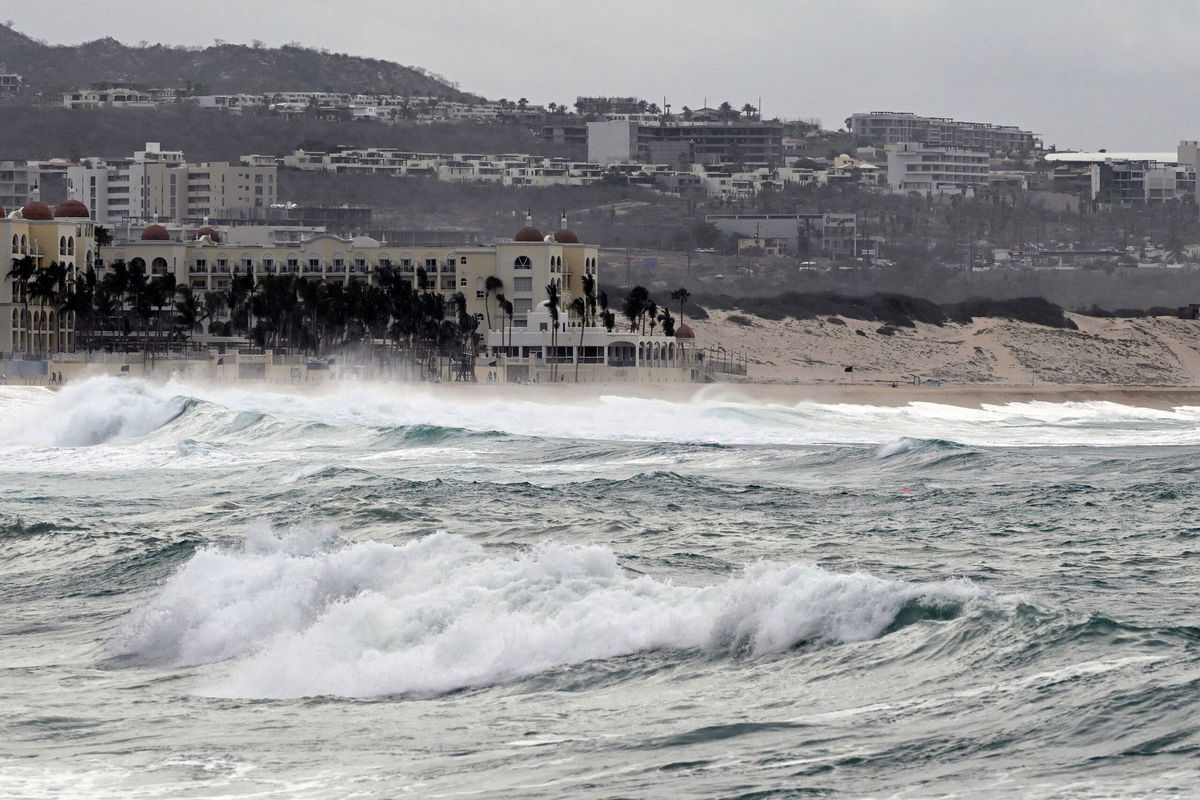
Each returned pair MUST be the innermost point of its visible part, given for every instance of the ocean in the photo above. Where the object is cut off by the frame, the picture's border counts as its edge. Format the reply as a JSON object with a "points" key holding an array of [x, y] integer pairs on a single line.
{"points": [[380, 592]]}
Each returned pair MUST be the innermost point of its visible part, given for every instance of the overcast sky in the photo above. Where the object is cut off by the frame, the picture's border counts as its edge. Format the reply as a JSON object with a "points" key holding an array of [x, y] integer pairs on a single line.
{"points": [[1083, 73]]}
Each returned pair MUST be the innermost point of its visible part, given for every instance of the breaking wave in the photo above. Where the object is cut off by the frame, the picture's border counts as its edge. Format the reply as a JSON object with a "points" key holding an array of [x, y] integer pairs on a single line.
{"points": [[301, 616], [110, 410]]}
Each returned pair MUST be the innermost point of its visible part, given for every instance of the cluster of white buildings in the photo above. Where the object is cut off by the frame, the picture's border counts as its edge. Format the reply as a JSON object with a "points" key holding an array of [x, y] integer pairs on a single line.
{"points": [[151, 185], [330, 105], [721, 180]]}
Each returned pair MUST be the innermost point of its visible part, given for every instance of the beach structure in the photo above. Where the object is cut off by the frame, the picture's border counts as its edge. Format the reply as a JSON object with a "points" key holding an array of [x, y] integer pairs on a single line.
{"points": [[47, 249]]}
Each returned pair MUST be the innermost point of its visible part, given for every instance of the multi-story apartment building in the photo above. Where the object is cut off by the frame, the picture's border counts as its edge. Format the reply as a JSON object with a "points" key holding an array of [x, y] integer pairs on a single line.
{"points": [[679, 141], [160, 185], [891, 127], [915, 167], [65, 236], [17, 181], [1128, 178]]}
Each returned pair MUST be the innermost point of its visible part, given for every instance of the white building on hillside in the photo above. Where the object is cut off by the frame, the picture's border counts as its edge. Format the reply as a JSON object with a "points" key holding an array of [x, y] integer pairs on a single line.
{"points": [[913, 167]]}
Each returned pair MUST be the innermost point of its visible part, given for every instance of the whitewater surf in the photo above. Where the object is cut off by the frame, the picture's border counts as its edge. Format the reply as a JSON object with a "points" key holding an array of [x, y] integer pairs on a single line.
{"points": [[379, 590]]}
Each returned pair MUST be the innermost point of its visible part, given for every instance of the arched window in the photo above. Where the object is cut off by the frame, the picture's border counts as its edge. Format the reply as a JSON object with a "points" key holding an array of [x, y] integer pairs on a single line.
{"points": [[89, 259], [62, 245], [158, 266], [24, 243], [71, 245], [522, 262], [16, 244], [137, 264]]}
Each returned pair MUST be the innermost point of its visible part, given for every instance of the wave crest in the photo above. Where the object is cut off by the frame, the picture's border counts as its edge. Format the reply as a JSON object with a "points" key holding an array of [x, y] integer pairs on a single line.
{"points": [[443, 613]]}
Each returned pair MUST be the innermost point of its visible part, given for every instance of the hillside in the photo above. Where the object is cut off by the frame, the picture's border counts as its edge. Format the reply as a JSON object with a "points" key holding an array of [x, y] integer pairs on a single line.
{"points": [[218, 69]]}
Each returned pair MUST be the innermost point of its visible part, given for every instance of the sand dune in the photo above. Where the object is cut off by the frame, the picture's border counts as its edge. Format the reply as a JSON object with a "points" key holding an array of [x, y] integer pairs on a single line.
{"points": [[1150, 352]]}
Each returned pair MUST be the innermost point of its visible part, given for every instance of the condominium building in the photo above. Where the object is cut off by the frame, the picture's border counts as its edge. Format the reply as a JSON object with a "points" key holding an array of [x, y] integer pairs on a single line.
{"points": [[891, 127], [678, 141], [17, 181], [65, 237], [915, 167], [1128, 178], [160, 185]]}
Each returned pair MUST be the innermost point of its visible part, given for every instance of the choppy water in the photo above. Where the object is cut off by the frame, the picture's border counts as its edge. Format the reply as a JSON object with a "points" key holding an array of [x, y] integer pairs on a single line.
{"points": [[385, 592]]}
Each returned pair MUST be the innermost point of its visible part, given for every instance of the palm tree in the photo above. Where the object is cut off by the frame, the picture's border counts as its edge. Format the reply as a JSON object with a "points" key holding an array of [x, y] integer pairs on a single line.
{"points": [[492, 284], [668, 322], [589, 293], [682, 295], [552, 305], [635, 306], [652, 314], [508, 312], [47, 289], [164, 288], [79, 302], [21, 273], [579, 309], [190, 313]]}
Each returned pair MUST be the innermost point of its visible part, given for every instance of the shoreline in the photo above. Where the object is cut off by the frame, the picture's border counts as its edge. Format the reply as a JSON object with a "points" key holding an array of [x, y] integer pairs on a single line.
{"points": [[961, 395]]}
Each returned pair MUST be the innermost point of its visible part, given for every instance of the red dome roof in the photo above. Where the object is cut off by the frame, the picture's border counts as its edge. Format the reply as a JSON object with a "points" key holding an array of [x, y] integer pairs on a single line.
{"points": [[528, 234], [209, 232], [72, 208], [36, 210], [685, 331], [566, 236], [156, 233]]}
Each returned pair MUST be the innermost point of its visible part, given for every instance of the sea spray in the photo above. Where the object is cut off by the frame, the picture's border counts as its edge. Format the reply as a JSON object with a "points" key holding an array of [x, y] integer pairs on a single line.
{"points": [[102, 410], [443, 612]]}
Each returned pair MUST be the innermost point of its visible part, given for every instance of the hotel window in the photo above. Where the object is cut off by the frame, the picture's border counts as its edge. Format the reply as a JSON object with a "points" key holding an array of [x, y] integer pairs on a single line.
{"points": [[293, 263], [314, 264], [522, 284], [522, 262], [431, 265]]}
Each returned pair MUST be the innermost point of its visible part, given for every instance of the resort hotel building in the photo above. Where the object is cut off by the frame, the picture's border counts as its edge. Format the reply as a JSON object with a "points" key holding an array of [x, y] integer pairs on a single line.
{"points": [[522, 345], [55, 244]]}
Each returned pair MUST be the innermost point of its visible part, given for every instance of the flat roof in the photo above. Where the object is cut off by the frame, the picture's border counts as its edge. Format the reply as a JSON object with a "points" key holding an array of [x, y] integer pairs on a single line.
{"points": [[1085, 157]]}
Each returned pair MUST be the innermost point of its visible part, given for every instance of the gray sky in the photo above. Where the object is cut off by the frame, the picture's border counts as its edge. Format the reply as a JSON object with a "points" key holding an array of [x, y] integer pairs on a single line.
{"points": [[1084, 73]]}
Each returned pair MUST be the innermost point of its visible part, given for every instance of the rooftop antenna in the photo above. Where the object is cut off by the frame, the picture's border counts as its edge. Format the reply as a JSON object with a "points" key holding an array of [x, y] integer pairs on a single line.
{"points": [[528, 218], [564, 219]]}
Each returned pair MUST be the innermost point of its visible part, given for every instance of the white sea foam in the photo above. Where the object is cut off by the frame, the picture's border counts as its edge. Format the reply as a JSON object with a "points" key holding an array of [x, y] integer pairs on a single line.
{"points": [[108, 410], [89, 413], [442, 612]]}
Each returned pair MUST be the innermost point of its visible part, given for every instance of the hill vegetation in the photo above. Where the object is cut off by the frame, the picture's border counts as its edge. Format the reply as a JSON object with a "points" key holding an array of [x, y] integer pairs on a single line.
{"points": [[896, 310], [210, 70], [209, 135]]}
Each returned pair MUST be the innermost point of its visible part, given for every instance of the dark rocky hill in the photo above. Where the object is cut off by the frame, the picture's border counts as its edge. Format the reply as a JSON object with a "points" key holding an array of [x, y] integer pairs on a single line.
{"points": [[218, 69]]}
